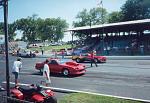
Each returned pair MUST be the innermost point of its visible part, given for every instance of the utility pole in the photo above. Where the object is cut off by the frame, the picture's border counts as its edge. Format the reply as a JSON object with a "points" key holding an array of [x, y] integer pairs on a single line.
{"points": [[4, 3], [102, 27]]}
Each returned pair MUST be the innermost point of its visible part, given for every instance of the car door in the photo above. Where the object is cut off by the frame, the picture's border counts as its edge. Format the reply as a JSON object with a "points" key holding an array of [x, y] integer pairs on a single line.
{"points": [[87, 57], [54, 66]]}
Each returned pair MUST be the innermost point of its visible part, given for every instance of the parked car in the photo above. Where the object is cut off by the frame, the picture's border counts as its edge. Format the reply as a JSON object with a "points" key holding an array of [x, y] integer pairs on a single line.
{"points": [[34, 46], [63, 67], [26, 53], [86, 57]]}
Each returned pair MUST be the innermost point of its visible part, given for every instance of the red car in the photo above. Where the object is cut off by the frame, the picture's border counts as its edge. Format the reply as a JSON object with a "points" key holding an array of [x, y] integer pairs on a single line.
{"points": [[86, 57], [65, 68]]}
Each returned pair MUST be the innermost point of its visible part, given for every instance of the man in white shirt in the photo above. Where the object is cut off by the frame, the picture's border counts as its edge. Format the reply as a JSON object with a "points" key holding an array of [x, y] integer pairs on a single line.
{"points": [[16, 69], [46, 73]]}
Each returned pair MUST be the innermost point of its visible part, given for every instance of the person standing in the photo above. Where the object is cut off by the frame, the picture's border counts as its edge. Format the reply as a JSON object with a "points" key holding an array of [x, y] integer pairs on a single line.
{"points": [[42, 51], [46, 73], [92, 58], [18, 51], [17, 65], [62, 53]]}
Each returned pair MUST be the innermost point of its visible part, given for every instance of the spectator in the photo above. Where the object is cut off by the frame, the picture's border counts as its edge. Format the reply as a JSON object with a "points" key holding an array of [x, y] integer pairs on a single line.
{"points": [[42, 51], [62, 53], [18, 50], [55, 54], [17, 65], [46, 73]]}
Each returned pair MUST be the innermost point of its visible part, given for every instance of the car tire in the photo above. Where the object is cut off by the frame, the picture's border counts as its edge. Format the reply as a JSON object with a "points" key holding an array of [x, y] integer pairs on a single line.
{"points": [[41, 71], [78, 60], [65, 72]]}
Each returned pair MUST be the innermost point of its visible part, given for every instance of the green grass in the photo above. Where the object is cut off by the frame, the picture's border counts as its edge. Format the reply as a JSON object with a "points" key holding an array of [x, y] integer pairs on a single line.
{"points": [[46, 48], [88, 98]]}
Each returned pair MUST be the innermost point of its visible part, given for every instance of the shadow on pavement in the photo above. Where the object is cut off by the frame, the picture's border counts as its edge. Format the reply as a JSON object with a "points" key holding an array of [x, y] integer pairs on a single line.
{"points": [[57, 75]]}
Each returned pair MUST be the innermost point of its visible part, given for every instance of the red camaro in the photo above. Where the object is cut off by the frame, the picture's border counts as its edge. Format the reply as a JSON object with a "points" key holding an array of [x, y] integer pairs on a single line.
{"points": [[86, 57], [65, 68]]}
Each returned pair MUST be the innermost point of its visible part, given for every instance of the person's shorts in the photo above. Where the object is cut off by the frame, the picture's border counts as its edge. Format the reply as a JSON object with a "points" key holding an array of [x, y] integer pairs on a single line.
{"points": [[16, 74]]}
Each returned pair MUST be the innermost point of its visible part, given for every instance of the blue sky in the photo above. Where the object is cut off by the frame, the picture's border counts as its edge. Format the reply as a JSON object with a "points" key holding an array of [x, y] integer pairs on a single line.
{"points": [[66, 9]]}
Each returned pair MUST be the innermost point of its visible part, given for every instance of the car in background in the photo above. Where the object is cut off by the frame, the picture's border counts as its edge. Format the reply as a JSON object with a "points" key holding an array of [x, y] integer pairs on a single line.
{"points": [[79, 51], [62, 67], [26, 53], [86, 57]]}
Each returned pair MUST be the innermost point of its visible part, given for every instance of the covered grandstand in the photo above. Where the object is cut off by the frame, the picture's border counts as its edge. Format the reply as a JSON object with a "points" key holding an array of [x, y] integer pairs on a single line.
{"points": [[123, 38]]}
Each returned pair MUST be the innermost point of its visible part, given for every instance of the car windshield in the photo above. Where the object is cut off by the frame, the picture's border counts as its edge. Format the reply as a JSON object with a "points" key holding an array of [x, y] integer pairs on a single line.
{"points": [[62, 61]]}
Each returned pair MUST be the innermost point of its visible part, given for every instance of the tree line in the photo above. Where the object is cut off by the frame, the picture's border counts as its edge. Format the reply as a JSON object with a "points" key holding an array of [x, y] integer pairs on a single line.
{"points": [[34, 28]]}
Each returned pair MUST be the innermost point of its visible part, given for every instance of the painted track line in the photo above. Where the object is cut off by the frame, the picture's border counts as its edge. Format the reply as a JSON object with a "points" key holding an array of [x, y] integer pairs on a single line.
{"points": [[77, 91]]}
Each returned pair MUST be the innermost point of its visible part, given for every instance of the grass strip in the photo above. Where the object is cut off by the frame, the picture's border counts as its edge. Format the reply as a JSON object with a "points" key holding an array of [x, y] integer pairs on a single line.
{"points": [[88, 98]]}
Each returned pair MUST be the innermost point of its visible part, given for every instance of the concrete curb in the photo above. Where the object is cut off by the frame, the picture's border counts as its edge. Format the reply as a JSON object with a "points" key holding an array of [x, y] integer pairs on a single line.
{"points": [[62, 90]]}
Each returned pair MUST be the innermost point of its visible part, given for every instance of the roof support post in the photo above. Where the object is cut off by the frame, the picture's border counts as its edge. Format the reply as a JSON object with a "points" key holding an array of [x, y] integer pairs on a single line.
{"points": [[72, 40]]}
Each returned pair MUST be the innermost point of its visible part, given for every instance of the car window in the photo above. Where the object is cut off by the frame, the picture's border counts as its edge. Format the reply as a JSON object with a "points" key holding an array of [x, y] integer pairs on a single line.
{"points": [[53, 62], [85, 54]]}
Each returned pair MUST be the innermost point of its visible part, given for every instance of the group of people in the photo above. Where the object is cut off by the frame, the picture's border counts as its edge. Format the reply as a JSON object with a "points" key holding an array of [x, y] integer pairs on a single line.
{"points": [[17, 66]]}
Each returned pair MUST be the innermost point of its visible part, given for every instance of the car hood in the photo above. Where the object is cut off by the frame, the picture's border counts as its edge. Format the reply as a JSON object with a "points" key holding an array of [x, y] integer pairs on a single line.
{"points": [[73, 64]]}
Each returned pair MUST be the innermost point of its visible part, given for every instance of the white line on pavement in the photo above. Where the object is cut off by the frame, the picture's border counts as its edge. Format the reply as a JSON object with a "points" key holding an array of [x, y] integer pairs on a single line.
{"points": [[77, 91]]}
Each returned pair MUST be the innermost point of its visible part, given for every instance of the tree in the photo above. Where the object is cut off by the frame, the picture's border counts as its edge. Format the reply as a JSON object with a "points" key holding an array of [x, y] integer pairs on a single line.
{"points": [[114, 17], [51, 29], [29, 27], [83, 19], [11, 30], [98, 16], [136, 10], [94, 16]]}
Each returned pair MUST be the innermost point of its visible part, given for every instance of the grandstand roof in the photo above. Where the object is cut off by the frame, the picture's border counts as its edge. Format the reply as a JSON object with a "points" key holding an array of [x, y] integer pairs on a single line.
{"points": [[136, 25]]}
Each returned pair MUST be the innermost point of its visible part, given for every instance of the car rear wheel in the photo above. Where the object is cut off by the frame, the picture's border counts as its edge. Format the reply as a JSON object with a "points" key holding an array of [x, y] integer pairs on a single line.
{"points": [[41, 71], [78, 60], [65, 72]]}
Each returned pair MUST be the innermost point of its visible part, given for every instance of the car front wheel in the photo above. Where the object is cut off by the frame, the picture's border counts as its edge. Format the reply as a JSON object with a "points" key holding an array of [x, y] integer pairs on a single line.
{"points": [[65, 72], [78, 60]]}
